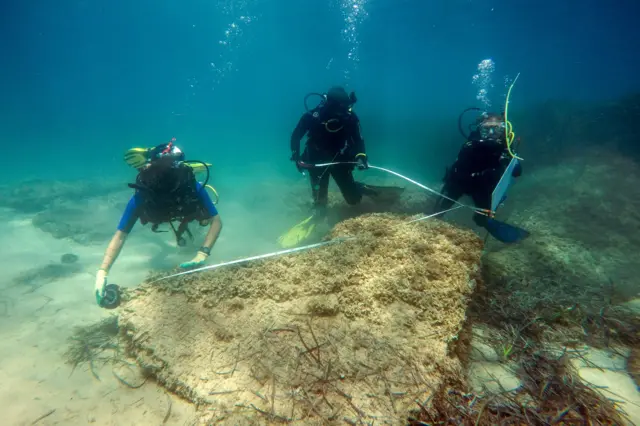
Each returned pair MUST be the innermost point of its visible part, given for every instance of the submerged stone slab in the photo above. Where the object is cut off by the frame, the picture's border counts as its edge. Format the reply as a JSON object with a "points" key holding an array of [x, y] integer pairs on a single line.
{"points": [[355, 331]]}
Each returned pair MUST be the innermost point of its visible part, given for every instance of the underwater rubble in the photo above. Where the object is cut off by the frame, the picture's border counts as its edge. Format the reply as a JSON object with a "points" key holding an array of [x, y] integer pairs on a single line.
{"points": [[354, 331], [385, 329]]}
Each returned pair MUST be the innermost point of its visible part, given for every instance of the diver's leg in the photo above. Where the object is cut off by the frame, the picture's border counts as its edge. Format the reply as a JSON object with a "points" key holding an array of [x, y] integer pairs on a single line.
{"points": [[350, 189]]}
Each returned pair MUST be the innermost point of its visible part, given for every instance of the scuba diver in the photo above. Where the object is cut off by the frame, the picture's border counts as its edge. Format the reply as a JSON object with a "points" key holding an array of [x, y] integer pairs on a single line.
{"points": [[477, 171], [166, 190], [333, 136]]}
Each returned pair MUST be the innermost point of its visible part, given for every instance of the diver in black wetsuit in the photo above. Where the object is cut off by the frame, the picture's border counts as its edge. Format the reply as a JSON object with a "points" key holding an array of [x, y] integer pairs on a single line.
{"points": [[333, 135], [481, 163]]}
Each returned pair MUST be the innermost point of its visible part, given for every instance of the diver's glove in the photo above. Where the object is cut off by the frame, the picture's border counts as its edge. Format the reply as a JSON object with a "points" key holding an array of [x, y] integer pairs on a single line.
{"points": [[101, 283], [196, 261], [362, 161], [488, 174]]}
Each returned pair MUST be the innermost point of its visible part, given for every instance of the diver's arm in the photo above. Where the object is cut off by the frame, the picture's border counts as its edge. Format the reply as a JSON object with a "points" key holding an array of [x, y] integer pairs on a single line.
{"points": [[216, 223], [110, 256], [113, 250], [214, 232], [299, 132], [356, 136], [127, 221], [464, 158], [201, 256]]}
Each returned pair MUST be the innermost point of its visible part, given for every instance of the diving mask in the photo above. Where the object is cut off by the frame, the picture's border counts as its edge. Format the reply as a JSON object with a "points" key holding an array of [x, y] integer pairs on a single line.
{"points": [[492, 129], [167, 150]]}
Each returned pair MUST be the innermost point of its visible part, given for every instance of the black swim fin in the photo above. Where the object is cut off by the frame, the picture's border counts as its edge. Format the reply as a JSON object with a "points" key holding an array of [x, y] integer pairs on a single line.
{"points": [[504, 232], [382, 193]]}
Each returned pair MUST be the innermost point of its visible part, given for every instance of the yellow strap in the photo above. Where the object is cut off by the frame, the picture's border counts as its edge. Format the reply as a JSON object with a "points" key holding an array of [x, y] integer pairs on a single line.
{"points": [[214, 192], [361, 155]]}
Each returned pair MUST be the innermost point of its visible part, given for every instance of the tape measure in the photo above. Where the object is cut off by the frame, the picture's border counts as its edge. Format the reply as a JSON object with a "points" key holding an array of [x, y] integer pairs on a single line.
{"points": [[111, 297]]}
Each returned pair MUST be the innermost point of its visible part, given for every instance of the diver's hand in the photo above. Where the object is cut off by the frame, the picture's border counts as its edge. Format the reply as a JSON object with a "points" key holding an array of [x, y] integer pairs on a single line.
{"points": [[196, 261], [362, 161], [101, 282], [295, 157]]}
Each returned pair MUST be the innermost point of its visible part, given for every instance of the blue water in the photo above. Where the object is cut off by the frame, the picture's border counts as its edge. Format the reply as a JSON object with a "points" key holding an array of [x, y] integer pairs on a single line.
{"points": [[83, 81]]}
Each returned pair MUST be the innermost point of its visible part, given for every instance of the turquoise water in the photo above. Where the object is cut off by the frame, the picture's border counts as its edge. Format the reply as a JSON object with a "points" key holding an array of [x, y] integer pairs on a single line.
{"points": [[84, 81]]}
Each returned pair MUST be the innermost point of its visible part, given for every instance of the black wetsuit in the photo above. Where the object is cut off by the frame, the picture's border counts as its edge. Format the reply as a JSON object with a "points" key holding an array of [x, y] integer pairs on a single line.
{"points": [[331, 137], [476, 172]]}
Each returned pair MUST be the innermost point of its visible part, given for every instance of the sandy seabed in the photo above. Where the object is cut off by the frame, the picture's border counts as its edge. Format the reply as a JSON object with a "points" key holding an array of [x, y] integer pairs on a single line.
{"points": [[43, 300]]}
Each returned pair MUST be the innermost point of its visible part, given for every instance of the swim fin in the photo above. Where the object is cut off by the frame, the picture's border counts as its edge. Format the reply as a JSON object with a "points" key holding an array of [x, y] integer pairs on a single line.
{"points": [[504, 232], [298, 233], [137, 157], [386, 194]]}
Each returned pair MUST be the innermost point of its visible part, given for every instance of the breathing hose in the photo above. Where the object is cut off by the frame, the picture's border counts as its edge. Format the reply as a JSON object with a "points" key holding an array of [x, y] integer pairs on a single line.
{"points": [[464, 135], [324, 98]]}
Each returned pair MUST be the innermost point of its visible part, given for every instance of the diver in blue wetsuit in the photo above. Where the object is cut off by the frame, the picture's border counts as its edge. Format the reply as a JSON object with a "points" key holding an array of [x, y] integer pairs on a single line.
{"points": [[166, 191]]}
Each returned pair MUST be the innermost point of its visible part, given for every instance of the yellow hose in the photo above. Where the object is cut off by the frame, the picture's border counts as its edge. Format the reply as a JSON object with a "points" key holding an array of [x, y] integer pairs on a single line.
{"points": [[214, 192], [508, 129]]}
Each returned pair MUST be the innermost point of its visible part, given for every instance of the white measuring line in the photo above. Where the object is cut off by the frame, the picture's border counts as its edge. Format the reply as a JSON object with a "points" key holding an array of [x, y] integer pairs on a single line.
{"points": [[312, 246]]}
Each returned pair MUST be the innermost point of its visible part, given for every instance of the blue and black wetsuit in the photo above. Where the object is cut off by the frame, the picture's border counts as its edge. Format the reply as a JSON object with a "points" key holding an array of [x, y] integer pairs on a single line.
{"points": [[132, 212], [332, 136], [476, 172]]}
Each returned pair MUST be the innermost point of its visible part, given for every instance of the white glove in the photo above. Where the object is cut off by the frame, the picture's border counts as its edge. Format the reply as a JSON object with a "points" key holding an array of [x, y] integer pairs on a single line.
{"points": [[101, 282]]}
